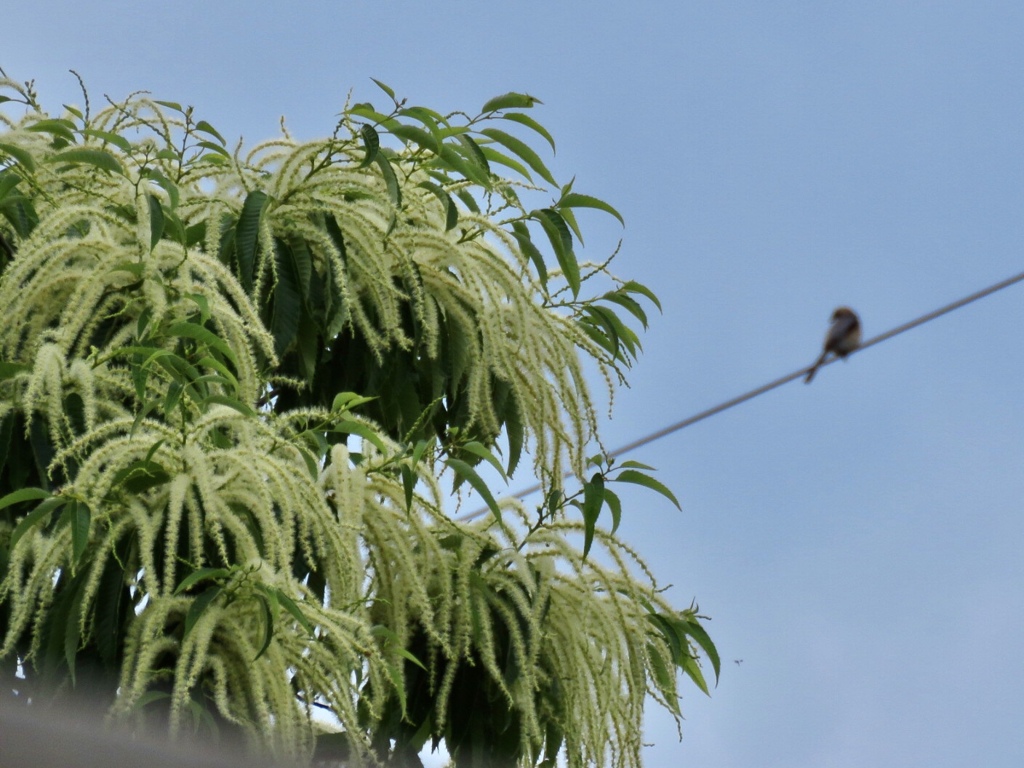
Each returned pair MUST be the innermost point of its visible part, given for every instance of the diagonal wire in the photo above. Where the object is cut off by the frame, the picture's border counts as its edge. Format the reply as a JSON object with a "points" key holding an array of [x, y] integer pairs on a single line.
{"points": [[777, 383]]}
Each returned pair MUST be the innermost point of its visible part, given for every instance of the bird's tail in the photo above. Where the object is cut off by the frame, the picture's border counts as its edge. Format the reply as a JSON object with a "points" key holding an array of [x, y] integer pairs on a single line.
{"points": [[814, 368]]}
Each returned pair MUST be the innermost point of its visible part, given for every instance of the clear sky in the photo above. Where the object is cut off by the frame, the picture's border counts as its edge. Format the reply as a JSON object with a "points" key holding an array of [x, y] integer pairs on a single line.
{"points": [[858, 542]]}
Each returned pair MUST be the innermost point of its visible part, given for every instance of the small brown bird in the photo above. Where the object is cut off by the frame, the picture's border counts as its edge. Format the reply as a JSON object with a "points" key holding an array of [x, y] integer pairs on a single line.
{"points": [[842, 338]]}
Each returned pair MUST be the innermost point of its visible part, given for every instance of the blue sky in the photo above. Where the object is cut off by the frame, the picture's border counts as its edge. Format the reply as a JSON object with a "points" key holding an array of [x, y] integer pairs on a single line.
{"points": [[858, 541]]}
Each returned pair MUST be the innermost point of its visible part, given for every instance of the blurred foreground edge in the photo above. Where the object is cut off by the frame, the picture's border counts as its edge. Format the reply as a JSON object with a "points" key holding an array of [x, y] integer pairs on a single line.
{"points": [[56, 737]]}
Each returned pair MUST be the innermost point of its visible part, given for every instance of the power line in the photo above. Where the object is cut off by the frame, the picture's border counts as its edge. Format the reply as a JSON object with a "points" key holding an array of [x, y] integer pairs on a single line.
{"points": [[778, 382]]}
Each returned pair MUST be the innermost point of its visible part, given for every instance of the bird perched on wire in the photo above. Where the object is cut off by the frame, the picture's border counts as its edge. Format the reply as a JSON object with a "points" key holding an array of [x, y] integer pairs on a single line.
{"points": [[842, 338]]}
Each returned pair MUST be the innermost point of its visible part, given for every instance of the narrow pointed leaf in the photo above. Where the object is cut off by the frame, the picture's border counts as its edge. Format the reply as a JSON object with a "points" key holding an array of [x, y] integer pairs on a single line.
{"points": [[156, 221], [371, 143], [467, 473], [494, 156], [451, 212], [561, 242], [386, 88], [247, 236], [523, 150], [23, 157], [574, 200], [80, 519], [205, 127], [639, 478], [532, 124], [522, 236], [632, 286], [478, 449], [199, 575], [62, 128], [614, 506], [701, 637], [111, 138], [390, 180], [593, 499], [23, 494], [43, 512], [97, 157], [199, 606], [199, 333], [293, 609], [510, 101]]}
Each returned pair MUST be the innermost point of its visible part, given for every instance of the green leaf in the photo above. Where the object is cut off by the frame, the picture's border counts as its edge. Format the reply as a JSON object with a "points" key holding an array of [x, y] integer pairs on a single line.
{"points": [[185, 329], [494, 156], [638, 478], [522, 236], [593, 499], [169, 186], [293, 609], [386, 88], [111, 138], [454, 158], [451, 212], [199, 605], [140, 476], [561, 241], [465, 472], [570, 219], [349, 427], [8, 181], [371, 143], [205, 127], [632, 286], [23, 157], [478, 449], [23, 494], [346, 401], [409, 480], [599, 318], [573, 200], [201, 574], [664, 677], [431, 119], [510, 100], [44, 510], [288, 294], [628, 303], [471, 150], [268, 622], [523, 150], [600, 338], [87, 156], [632, 464], [694, 629], [247, 236], [156, 221], [390, 180], [367, 111], [515, 433], [170, 105], [230, 402], [693, 671], [623, 337], [62, 128], [213, 148], [615, 506], [391, 640], [79, 517], [414, 135], [467, 200], [529, 122]]}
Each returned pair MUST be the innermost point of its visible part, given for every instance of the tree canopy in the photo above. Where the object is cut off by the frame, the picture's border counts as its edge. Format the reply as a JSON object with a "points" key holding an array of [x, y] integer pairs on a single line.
{"points": [[241, 390]]}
